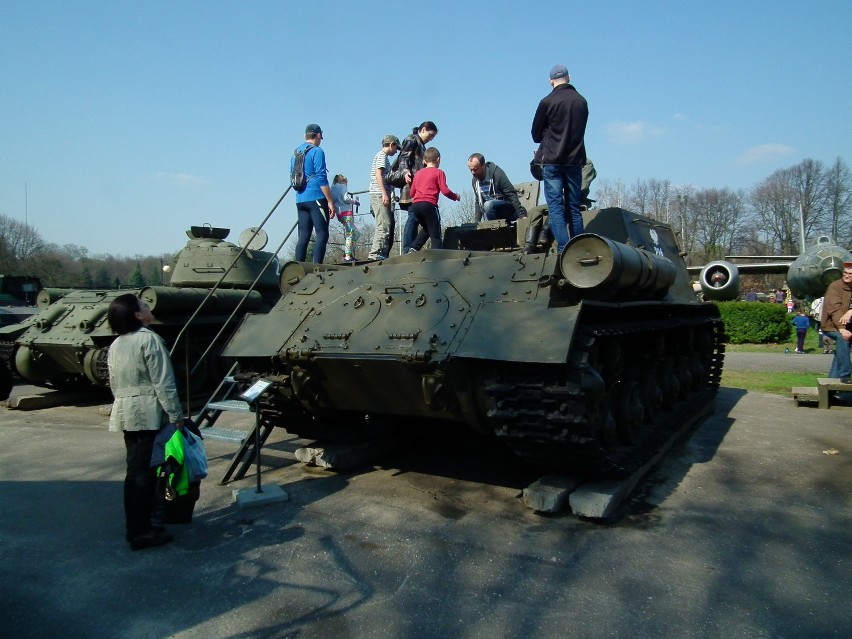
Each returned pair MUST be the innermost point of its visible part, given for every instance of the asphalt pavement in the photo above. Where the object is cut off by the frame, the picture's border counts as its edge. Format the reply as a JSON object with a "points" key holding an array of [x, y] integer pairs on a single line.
{"points": [[744, 530]]}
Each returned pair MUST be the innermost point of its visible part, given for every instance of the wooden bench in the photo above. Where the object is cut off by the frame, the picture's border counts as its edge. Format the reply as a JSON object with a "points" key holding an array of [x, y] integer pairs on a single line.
{"points": [[826, 384]]}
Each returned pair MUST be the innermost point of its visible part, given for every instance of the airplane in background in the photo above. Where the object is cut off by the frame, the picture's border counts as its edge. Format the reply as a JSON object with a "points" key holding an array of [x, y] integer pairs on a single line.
{"points": [[808, 274]]}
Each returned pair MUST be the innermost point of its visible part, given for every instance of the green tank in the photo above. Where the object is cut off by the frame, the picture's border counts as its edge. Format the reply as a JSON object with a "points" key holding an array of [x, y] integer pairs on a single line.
{"points": [[584, 361], [65, 343]]}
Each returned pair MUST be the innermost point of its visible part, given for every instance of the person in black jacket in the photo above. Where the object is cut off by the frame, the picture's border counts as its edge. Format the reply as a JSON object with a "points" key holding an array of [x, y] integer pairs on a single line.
{"points": [[411, 160], [496, 197], [559, 126]]}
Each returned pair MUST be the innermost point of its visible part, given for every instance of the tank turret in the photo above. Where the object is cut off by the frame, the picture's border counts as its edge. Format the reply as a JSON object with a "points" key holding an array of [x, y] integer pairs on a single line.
{"points": [[582, 361], [65, 343]]}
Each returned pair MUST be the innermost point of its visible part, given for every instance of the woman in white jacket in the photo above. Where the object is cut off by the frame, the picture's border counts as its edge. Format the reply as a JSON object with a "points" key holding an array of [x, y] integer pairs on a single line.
{"points": [[142, 381]]}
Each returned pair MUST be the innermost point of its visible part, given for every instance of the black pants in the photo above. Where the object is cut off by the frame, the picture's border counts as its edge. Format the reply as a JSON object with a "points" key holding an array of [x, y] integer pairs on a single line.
{"points": [[427, 216], [140, 481]]}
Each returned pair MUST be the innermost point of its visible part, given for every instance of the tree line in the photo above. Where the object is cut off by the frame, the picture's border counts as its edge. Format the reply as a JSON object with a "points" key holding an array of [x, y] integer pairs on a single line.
{"points": [[763, 220], [710, 223]]}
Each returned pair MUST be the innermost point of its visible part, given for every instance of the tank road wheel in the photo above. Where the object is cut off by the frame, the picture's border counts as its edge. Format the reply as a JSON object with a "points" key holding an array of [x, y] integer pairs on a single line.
{"points": [[699, 373], [652, 396], [629, 411], [96, 367], [610, 359], [685, 378], [668, 384]]}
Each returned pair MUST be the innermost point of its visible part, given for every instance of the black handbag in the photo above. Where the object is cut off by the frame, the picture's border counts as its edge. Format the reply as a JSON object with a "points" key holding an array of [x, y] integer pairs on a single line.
{"points": [[395, 176], [536, 170]]}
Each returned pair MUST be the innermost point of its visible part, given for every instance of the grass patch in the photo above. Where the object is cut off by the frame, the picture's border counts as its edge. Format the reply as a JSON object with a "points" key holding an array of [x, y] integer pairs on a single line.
{"points": [[811, 345], [775, 383]]}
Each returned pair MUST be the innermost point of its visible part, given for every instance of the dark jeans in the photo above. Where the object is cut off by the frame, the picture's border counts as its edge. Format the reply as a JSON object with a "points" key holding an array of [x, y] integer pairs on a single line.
{"points": [[800, 338], [313, 217], [412, 237], [139, 482], [561, 188], [841, 366], [428, 217], [498, 210]]}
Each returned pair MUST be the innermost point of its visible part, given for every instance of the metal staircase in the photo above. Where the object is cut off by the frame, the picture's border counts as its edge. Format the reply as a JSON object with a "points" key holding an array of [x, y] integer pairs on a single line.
{"points": [[221, 401]]}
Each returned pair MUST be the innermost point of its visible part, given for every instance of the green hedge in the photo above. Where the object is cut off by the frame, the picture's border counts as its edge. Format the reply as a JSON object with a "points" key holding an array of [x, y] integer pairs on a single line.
{"points": [[756, 322]]}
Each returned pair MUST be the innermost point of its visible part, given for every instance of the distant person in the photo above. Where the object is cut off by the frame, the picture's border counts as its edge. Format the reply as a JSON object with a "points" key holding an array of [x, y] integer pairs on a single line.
{"points": [[751, 296], [381, 199], [802, 323], [780, 296], [559, 126], [495, 197], [537, 214], [143, 383], [428, 184], [411, 160], [343, 201], [816, 324], [837, 315], [314, 205]]}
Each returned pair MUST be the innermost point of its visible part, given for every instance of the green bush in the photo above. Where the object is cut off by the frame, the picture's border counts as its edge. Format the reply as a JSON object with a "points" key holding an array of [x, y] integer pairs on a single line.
{"points": [[755, 322]]}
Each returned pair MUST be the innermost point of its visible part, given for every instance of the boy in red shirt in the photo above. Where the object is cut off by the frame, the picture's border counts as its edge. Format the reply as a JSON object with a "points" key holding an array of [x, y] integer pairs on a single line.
{"points": [[426, 186]]}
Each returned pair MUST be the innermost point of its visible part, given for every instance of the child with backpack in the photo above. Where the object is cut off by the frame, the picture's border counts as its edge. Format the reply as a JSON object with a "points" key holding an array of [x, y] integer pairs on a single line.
{"points": [[343, 201]]}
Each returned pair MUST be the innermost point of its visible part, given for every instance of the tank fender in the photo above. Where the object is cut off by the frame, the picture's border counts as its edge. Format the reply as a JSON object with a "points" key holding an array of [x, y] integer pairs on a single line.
{"points": [[503, 331]]}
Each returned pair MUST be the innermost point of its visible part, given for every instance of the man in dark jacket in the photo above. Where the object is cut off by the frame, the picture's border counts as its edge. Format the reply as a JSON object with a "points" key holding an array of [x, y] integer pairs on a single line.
{"points": [[559, 126], [496, 197]]}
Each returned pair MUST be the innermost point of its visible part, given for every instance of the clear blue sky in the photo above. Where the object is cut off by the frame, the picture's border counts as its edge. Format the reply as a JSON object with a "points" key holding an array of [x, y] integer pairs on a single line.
{"points": [[123, 123]]}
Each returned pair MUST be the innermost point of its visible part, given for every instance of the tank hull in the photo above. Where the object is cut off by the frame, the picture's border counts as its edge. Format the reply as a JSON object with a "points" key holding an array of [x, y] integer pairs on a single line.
{"points": [[65, 343], [570, 369]]}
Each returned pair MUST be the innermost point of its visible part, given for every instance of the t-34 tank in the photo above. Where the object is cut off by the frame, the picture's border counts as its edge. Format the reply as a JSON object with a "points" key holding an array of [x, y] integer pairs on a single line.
{"points": [[65, 344], [585, 361]]}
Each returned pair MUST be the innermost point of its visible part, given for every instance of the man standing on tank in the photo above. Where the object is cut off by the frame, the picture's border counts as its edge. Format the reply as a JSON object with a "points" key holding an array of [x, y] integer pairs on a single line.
{"points": [[314, 205], [559, 126]]}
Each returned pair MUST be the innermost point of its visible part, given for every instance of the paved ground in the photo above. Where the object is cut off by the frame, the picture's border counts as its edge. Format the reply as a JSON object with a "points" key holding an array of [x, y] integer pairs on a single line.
{"points": [[789, 362], [743, 531]]}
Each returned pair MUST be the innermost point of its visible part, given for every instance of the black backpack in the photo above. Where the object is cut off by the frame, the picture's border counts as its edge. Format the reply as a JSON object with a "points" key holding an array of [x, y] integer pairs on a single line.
{"points": [[298, 179]]}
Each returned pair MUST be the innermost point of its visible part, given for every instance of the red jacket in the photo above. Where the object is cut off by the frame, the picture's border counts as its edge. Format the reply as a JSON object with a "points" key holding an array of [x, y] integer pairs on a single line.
{"points": [[428, 183]]}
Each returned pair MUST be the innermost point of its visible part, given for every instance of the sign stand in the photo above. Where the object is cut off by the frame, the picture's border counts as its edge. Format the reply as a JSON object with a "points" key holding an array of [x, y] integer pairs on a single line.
{"points": [[275, 493]]}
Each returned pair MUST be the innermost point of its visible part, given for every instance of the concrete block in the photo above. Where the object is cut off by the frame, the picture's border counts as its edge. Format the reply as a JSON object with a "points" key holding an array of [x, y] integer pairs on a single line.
{"points": [[598, 500], [343, 457], [249, 497], [548, 494]]}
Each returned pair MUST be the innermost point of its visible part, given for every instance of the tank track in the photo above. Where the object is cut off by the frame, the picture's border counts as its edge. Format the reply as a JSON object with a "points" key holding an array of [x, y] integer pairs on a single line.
{"points": [[603, 413]]}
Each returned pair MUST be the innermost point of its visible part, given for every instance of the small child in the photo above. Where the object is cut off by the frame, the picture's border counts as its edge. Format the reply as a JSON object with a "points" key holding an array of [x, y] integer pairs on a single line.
{"points": [[802, 323], [343, 201], [426, 187]]}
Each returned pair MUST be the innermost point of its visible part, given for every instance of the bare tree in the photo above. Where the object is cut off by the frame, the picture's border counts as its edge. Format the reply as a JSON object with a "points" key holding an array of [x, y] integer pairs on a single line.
{"points": [[19, 243], [683, 221], [718, 215], [637, 199], [839, 202], [611, 194], [775, 205]]}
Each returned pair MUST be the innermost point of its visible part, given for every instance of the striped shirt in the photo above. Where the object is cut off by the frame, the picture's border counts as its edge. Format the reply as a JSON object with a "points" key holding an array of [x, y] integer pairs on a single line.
{"points": [[381, 161]]}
